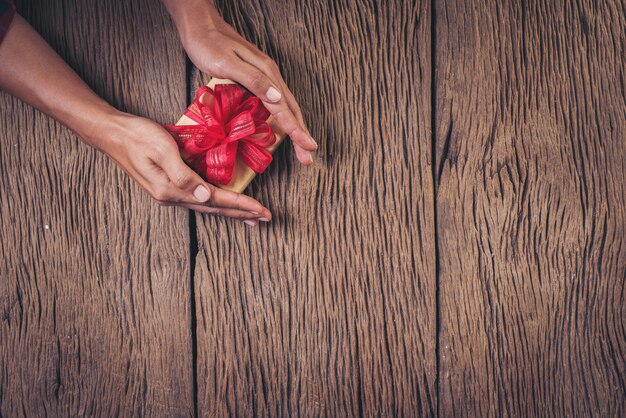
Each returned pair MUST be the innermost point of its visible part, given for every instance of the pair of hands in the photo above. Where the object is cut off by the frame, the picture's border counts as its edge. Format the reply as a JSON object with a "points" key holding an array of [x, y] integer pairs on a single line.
{"points": [[149, 154]]}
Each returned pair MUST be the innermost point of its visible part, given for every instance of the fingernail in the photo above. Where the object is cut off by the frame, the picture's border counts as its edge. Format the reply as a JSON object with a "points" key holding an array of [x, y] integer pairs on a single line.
{"points": [[201, 194], [310, 157], [273, 95], [249, 222], [312, 141], [264, 219]]}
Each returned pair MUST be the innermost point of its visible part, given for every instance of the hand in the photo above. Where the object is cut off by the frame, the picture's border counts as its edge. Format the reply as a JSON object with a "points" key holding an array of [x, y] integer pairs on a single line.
{"points": [[145, 150], [218, 50], [149, 154]]}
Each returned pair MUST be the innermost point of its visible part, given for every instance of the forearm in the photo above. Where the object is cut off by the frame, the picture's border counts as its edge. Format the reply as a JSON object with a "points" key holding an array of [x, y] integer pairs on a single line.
{"points": [[33, 72]]}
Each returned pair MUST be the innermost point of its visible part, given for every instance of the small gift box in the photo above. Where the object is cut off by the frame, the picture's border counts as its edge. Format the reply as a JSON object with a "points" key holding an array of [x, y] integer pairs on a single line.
{"points": [[226, 135]]}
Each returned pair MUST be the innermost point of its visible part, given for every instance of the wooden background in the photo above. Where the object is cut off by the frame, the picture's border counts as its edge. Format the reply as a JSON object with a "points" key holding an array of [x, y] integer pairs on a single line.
{"points": [[458, 247]]}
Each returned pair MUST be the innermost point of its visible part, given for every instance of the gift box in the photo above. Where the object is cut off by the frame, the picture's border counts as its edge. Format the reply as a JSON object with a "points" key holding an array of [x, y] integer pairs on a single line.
{"points": [[226, 135]]}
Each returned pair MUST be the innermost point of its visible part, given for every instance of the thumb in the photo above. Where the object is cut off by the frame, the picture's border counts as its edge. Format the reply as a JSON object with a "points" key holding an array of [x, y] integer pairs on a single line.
{"points": [[188, 181]]}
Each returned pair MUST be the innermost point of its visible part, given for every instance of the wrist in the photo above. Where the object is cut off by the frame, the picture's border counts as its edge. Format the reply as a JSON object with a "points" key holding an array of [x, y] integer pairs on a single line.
{"points": [[191, 15], [100, 128]]}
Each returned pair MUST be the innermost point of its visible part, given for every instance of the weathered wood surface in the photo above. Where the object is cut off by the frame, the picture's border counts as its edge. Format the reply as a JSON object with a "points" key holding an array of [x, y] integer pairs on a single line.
{"points": [[531, 207], [94, 277], [330, 309], [490, 283]]}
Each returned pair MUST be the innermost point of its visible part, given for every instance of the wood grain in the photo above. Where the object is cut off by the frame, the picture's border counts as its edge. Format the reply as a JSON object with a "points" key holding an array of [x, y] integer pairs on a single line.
{"points": [[330, 309], [531, 207], [485, 280], [94, 277]]}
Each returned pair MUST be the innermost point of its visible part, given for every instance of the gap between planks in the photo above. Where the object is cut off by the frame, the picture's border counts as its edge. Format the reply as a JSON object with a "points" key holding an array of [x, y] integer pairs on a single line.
{"points": [[193, 233], [435, 187], [193, 253]]}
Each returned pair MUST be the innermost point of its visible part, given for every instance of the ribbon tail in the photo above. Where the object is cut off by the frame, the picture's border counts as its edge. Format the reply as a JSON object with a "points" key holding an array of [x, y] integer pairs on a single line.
{"points": [[255, 157], [220, 163], [263, 136]]}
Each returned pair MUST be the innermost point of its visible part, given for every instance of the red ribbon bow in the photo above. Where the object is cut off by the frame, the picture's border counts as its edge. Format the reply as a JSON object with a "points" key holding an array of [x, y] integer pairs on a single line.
{"points": [[233, 123]]}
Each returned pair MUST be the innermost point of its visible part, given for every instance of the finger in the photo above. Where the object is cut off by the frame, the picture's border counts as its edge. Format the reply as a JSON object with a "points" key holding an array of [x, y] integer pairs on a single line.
{"points": [[230, 200], [288, 123], [259, 84], [185, 190], [154, 180], [286, 111], [252, 78], [303, 155], [256, 58], [226, 212], [288, 96], [182, 177], [293, 104]]}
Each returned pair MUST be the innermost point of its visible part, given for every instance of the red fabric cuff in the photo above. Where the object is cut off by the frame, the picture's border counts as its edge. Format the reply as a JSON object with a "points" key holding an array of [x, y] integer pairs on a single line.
{"points": [[6, 18]]}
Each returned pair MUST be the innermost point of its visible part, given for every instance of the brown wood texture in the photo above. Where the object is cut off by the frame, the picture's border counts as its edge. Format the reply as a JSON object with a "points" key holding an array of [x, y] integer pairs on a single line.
{"points": [[330, 309], [487, 279], [531, 207], [94, 277]]}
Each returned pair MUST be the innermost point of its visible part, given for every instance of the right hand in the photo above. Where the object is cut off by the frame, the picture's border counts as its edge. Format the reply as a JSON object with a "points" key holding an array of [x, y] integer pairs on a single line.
{"points": [[149, 154], [218, 50]]}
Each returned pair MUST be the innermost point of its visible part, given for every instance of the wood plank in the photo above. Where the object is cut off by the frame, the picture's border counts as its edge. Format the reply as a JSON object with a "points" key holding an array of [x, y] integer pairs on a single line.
{"points": [[330, 309], [94, 277], [531, 207]]}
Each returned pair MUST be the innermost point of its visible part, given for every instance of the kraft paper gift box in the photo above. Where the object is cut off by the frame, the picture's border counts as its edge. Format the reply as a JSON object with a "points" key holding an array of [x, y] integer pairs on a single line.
{"points": [[242, 174]]}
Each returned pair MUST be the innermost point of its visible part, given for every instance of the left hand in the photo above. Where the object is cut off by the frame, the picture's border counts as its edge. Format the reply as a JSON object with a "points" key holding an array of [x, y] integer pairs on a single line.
{"points": [[218, 50], [149, 154]]}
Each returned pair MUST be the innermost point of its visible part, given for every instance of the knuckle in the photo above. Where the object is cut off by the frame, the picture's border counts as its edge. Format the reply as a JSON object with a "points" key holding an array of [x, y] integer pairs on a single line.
{"points": [[160, 151], [168, 147], [299, 115], [268, 62], [213, 211], [181, 179], [287, 121], [211, 189], [284, 112], [155, 155], [160, 194], [282, 115], [258, 81], [295, 130], [238, 203], [220, 66]]}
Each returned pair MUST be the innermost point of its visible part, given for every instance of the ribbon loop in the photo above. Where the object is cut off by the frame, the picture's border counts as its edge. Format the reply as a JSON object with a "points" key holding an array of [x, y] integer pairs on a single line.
{"points": [[230, 122]]}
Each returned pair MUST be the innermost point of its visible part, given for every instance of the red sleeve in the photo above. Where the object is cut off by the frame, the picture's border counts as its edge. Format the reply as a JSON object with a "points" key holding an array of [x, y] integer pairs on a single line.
{"points": [[7, 11]]}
